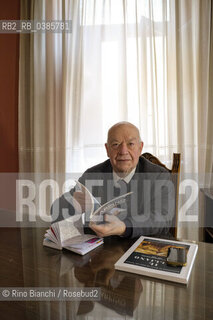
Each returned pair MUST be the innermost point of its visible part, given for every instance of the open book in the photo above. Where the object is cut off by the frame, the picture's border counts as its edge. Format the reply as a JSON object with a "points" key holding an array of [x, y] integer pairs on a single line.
{"points": [[69, 234], [109, 207]]}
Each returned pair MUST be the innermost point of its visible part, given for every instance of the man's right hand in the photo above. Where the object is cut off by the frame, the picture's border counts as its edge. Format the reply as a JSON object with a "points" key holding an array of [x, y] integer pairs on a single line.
{"points": [[112, 226]]}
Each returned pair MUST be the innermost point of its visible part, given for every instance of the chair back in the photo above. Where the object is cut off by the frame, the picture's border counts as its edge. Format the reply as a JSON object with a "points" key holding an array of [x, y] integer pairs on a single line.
{"points": [[175, 172]]}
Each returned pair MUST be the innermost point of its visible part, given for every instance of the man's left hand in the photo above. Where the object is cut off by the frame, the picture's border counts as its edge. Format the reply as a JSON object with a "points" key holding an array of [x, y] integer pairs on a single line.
{"points": [[112, 226]]}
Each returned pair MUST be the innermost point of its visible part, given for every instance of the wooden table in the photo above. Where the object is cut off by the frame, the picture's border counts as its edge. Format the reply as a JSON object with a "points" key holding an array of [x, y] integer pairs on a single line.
{"points": [[26, 263]]}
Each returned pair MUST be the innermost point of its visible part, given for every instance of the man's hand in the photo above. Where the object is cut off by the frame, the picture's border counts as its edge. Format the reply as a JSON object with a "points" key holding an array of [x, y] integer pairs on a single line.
{"points": [[84, 200], [112, 226]]}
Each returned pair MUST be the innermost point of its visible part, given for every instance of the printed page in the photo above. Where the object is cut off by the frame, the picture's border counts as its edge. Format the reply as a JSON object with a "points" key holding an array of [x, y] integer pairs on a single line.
{"points": [[70, 228], [110, 205], [49, 235], [105, 208], [82, 188]]}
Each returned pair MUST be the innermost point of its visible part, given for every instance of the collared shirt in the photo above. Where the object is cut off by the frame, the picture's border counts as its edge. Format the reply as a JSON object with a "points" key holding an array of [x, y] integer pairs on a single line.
{"points": [[116, 178], [127, 179]]}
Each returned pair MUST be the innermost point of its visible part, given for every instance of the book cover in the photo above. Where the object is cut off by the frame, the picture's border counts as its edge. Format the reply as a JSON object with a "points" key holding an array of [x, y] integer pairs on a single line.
{"points": [[110, 207], [148, 256]]}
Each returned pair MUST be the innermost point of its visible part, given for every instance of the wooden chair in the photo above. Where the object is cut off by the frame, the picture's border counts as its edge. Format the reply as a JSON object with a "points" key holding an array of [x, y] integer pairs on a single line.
{"points": [[175, 172]]}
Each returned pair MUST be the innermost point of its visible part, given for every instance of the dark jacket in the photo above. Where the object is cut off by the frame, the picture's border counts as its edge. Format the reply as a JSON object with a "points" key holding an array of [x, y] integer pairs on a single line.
{"points": [[149, 210]]}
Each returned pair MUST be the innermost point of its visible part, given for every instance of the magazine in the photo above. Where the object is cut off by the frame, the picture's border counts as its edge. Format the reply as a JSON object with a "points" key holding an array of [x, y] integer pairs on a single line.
{"points": [[110, 207], [69, 234], [148, 257]]}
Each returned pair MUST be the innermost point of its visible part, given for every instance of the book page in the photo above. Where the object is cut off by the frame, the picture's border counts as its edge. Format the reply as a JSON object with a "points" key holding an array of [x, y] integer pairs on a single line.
{"points": [[55, 233], [70, 228], [86, 246], [108, 206], [88, 194], [79, 240], [49, 234]]}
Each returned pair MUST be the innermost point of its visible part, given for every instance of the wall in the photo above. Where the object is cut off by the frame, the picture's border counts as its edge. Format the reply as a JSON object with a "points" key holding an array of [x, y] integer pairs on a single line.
{"points": [[9, 60]]}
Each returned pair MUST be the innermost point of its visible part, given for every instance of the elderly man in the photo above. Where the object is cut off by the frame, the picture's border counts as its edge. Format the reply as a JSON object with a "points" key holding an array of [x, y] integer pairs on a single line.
{"points": [[148, 210]]}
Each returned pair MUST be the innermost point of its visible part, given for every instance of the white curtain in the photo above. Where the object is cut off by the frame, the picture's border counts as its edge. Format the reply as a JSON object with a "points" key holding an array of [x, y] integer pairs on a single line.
{"points": [[147, 62], [42, 92]]}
